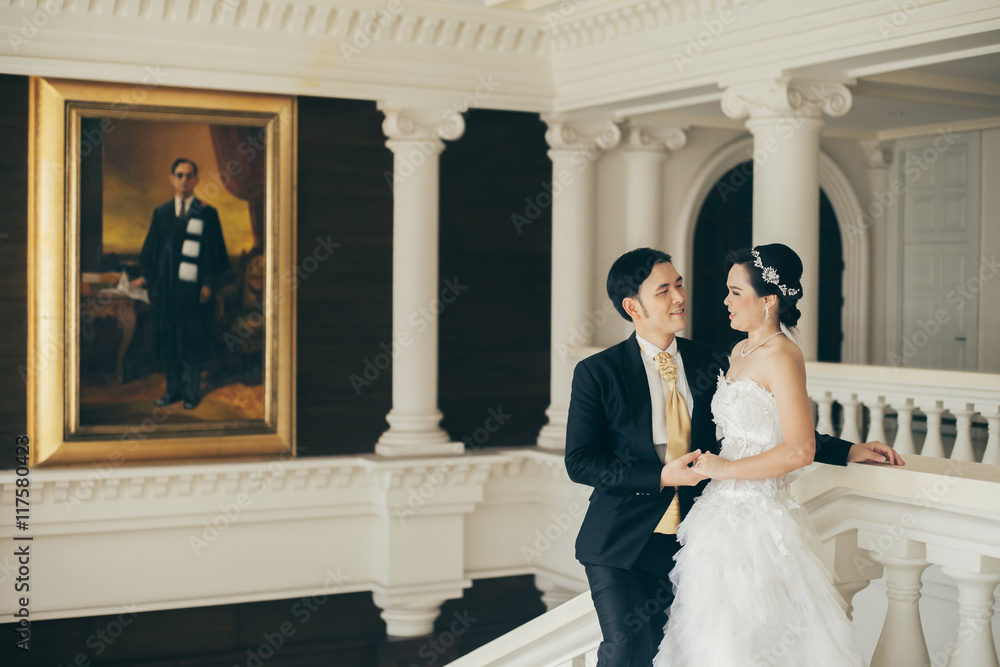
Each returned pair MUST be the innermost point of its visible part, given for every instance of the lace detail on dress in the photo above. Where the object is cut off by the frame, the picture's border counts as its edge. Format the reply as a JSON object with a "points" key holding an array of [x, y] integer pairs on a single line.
{"points": [[748, 416], [749, 570]]}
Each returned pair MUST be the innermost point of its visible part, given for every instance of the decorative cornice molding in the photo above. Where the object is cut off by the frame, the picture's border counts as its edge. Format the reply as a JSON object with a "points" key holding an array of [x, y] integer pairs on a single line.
{"points": [[621, 20], [785, 96]]}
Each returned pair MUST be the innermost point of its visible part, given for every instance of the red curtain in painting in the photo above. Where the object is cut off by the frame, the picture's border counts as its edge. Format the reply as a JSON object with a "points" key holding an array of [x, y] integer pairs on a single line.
{"points": [[240, 154]]}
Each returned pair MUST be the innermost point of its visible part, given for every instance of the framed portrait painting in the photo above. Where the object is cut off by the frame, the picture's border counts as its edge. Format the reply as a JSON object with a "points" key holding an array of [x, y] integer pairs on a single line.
{"points": [[161, 222]]}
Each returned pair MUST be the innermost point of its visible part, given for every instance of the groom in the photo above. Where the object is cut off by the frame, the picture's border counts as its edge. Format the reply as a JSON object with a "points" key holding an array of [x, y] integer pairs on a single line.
{"points": [[632, 409]]}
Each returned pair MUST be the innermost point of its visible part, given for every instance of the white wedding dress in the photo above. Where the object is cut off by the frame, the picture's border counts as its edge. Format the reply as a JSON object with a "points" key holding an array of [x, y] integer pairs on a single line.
{"points": [[749, 588]]}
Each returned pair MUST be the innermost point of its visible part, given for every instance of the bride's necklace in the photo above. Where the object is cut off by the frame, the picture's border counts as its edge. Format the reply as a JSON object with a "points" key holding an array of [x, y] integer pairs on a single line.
{"points": [[744, 352]]}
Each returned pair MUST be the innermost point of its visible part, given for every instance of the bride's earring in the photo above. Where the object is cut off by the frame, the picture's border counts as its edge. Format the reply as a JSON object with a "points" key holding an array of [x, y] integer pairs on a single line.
{"points": [[767, 312]]}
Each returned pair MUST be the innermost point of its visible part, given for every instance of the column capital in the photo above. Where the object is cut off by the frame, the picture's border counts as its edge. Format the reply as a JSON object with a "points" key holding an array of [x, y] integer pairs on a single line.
{"points": [[654, 138], [786, 96], [581, 133], [877, 154], [420, 123]]}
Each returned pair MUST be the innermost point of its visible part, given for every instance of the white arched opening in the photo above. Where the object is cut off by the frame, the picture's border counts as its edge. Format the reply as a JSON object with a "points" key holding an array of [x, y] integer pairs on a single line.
{"points": [[853, 235]]}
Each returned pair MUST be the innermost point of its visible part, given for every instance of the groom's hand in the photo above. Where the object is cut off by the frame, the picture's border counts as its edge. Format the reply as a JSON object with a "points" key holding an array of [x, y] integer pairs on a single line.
{"points": [[874, 452], [678, 472]]}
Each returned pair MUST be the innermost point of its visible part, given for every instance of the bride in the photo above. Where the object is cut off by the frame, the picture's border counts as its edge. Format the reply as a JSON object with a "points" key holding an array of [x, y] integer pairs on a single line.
{"points": [[754, 591]]}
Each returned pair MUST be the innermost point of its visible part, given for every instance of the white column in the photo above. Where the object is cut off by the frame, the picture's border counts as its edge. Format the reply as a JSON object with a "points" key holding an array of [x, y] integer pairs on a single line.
{"points": [[415, 140], [785, 118], [645, 153], [646, 149], [574, 149], [902, 639], [878, 163], [976, 578]]}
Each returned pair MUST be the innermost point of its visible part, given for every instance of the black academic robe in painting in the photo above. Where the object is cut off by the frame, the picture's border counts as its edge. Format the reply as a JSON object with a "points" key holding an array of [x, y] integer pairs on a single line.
{"points": [[185, 328]]}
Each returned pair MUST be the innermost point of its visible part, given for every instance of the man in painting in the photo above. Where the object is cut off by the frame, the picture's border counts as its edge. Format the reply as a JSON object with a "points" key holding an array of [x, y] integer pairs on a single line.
{"points": [[183, 261]]}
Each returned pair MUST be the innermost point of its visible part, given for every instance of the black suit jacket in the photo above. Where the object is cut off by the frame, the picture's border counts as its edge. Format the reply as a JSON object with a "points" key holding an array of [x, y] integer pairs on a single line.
{"points": [[609, 446]]}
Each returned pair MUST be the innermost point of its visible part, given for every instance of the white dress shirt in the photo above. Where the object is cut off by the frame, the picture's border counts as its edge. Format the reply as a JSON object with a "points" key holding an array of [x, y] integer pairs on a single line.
{"points": [[659, 391], [177, 205]]}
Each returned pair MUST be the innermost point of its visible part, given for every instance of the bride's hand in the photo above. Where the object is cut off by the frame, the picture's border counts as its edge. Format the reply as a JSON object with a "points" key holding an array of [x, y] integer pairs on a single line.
{"points": [[710, 465]]}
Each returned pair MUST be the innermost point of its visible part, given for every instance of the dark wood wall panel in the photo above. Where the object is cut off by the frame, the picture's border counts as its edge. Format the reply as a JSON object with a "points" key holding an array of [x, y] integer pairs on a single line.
{"points": [[345, 305], [13, 261], [494, 339], [342, 630]]}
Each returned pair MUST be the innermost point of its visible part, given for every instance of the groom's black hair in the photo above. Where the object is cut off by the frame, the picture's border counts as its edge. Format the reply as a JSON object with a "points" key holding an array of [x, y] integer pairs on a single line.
{"points": [[629, 272]]}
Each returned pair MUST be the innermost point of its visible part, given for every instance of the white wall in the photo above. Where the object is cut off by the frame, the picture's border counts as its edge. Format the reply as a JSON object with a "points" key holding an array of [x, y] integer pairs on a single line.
{"points": [[989, 297]]}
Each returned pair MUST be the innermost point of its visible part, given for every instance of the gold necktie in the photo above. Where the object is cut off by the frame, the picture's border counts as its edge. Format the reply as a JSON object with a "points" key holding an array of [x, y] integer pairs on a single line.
{"points": [[678, 436]]}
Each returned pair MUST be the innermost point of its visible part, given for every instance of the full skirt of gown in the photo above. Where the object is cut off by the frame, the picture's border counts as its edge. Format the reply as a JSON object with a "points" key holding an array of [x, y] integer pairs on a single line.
{"points": [[749, 587]]}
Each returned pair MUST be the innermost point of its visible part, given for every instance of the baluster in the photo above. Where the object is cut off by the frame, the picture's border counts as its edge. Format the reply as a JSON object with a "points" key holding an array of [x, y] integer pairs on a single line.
{"points": [[932, 443], [876, 427], [850, 432], [992, 454], [902, 639], [976, 578], [853, 567], [824, 407], [963, 436], [904, 429]]}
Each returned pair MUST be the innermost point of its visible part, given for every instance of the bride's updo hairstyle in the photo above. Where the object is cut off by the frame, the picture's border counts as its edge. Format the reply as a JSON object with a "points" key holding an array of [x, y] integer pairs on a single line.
{"points": [[773, 269]]}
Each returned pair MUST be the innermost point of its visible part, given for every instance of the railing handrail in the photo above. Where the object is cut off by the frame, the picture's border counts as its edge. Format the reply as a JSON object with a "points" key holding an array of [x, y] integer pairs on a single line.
{"points": [[532, 643], [975, 387], [970, 498]]}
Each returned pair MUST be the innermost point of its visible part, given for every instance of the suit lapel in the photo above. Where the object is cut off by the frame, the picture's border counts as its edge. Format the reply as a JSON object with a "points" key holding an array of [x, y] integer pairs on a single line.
{"points": [[637, 388]]}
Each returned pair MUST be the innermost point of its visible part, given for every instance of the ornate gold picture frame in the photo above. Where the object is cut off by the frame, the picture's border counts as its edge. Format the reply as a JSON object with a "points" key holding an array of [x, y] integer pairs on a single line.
{"points": [[161, 318]]}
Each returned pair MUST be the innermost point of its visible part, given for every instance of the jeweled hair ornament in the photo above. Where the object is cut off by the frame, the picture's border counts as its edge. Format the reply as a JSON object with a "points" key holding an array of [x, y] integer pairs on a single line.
{"points": [[770, 275]]}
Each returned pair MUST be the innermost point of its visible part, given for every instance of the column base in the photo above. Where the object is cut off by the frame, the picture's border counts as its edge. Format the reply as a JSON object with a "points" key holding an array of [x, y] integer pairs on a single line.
{"points": [[416, 434], [553, 434]]}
